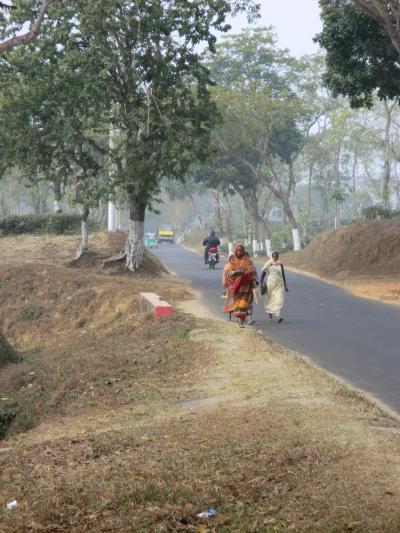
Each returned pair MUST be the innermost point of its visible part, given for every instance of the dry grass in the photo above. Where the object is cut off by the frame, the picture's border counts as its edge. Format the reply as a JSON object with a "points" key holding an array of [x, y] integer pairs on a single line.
{"points": [[141, 425]]}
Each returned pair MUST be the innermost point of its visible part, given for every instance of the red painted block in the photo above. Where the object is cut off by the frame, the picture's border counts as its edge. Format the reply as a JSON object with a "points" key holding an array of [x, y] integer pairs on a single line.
{"points": [[150, 302]]}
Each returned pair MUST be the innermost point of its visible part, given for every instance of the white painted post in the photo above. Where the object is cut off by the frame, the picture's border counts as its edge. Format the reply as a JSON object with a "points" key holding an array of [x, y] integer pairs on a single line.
{"points": [[296, 240], [230, 248], [268, 247], [118, 216], [255, 248], [112, 221], [57, 206], [112, 143]]}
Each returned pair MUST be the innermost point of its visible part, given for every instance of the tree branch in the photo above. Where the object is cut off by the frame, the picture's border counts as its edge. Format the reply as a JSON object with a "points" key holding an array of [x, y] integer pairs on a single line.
{"points": [[382, 13], [30, 35]]}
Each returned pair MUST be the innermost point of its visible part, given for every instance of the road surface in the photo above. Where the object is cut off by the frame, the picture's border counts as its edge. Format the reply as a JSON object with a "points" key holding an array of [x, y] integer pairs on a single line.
{"points": [[354, 338]]}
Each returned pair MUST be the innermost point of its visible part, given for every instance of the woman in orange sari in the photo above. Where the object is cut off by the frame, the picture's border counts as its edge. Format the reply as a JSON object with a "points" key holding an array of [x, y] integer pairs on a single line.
{"points": [[239, 279]]}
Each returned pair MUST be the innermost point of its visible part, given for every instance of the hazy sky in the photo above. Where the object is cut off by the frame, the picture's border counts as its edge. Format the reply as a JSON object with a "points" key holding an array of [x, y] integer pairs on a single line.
{"points": [[295, 21]]}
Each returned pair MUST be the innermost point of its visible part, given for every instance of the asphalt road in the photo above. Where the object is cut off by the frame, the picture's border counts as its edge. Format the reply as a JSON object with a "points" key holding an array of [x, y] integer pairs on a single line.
{"points": [[354, 338]]}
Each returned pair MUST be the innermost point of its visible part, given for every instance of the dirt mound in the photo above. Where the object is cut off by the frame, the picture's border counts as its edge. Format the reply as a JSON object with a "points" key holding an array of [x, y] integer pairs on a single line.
{"points": [[365, 249], [79, 332], [46, 302]]}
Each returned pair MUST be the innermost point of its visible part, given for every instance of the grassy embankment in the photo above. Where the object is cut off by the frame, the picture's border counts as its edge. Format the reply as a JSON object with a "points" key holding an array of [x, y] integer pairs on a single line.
{"points": [[126, 424]]}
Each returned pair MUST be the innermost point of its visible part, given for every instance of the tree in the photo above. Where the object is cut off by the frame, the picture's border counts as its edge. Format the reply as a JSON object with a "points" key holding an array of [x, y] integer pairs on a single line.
{"points": [[361, 39], [225, 176], [23, 38], [261, 113], [140, 65], [385, 13], [338, 197], [47, 114]]}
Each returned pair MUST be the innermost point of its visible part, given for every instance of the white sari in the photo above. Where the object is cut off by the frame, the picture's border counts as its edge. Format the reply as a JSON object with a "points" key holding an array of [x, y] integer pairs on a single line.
{"points": [[275, 297]]}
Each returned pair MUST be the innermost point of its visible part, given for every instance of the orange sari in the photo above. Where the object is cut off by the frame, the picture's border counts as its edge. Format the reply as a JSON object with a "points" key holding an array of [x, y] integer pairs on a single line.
{"points": [[238, 280]]}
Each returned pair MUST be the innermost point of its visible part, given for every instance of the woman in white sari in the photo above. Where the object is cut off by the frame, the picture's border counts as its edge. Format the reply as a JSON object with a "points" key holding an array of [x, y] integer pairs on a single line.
{"points": [[275, 286]]}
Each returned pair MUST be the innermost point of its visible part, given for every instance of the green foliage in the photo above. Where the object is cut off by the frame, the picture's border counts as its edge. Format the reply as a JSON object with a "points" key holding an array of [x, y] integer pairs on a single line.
{"points": [[337, 196], [53, 224], [281, 240], [31, 312], [380, 212], [7, 352], [183, 334], [134, 67], [80, 323], [8, 413], [360, 55]]}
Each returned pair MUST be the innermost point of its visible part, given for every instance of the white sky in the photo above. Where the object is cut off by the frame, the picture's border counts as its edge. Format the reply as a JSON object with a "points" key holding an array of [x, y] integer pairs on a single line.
{"points": [[296, 22]]}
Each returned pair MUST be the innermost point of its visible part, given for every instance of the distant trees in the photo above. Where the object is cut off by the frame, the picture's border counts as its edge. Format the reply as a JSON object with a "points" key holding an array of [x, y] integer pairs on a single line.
{"points": [[260, 135]]}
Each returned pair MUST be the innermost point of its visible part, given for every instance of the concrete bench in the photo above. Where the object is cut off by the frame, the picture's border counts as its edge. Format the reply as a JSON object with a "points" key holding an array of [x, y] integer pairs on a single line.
{"points": [[150, 303]]}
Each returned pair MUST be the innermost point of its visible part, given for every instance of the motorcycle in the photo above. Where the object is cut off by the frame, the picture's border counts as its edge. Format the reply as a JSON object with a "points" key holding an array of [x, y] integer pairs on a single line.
{"points": [[213, 257]]}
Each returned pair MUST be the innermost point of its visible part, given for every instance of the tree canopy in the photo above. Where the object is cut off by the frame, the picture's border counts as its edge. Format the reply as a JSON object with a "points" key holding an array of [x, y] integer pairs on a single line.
{"points": [[361, 58]]}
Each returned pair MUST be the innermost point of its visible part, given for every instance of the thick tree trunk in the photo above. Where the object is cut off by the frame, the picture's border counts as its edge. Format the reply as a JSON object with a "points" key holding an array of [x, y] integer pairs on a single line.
{"points": [[293, 225], [134, 247], [85, 235], [84, 245]]}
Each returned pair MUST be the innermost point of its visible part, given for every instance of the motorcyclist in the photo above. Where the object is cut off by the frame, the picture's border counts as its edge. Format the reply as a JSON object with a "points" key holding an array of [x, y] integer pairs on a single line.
{"points": [[209, 242]]}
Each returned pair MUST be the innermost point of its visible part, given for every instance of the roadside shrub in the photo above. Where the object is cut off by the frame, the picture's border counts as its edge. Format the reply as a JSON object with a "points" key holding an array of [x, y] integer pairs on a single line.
{"points": [[54, 224], [31, 312], [380, 212], [7, 417], [282, 240], [7, 353]]}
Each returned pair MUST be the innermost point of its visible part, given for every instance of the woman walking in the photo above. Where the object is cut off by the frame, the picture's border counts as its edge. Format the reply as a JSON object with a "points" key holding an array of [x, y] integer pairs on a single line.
{"points": [[239, 279], [275, 287]]}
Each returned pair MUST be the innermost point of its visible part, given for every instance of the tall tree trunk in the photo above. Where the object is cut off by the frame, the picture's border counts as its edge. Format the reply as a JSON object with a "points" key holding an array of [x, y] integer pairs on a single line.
{"points": [[84, 246], [309, 189], [218, 212], [293, 225], [354, 199], [57, 193], [134, 247], [387, 161], [228, 218], [197, 211]]}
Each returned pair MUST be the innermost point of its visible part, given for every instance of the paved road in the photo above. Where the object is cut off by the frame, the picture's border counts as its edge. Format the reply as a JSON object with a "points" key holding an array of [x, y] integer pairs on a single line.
{"points": [[357, 339]]}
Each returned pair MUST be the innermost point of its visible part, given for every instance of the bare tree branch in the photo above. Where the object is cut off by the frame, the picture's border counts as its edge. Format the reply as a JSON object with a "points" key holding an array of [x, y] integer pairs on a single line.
{"points": [[30, 35]]}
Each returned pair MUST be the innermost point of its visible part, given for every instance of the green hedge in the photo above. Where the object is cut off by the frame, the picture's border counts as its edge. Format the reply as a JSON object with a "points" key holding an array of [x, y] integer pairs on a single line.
{"points": [[56, 224], [380, 212]]}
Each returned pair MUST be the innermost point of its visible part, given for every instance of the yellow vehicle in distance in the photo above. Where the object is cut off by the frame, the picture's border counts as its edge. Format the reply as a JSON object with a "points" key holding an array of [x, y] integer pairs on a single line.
{"points": [[166, 234]]}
